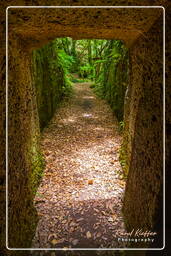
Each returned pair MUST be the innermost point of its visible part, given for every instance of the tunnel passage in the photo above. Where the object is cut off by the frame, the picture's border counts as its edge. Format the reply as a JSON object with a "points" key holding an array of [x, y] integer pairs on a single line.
{"points": [[141, 30]]}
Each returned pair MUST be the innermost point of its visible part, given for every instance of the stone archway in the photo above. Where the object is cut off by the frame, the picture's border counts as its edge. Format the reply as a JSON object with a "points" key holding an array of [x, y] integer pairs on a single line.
{"points": [[141, 29]]}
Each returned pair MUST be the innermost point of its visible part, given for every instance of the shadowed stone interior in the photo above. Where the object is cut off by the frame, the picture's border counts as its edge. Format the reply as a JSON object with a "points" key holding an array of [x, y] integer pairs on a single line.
{"points": [[141, 30]]}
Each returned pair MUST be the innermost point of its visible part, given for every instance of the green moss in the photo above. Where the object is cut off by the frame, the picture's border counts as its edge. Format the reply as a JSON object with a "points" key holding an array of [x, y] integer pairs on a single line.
{"points": [[124, 153], [38, 165], [50, 80], [114, 77]]}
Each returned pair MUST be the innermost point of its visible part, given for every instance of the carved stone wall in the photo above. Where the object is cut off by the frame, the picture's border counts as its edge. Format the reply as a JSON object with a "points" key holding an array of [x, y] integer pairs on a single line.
{"points": [[141, 31]]}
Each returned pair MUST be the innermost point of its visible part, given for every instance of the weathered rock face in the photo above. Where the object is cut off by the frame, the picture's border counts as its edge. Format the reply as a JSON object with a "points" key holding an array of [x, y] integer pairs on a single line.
{"points": [[116, 79], [144, 121], [168, 131], [108, 23], [31, 28], [2, 147], [35, 89], [49, 81], [23, 154]]}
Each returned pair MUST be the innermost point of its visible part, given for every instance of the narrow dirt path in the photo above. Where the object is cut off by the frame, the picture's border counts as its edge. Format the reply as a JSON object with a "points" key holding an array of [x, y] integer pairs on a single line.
{"points": [[80, 197]]}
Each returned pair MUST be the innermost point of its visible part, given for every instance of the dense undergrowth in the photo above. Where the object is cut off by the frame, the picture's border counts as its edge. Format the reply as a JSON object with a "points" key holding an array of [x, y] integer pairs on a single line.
{"points": [[64, 61], [105, 62]]}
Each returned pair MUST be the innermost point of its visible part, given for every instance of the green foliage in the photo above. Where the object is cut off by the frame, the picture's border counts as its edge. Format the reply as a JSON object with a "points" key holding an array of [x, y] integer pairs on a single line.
{"points": [[100, 61], [92, 86], [98, 89], [38, 165], [121, 126], [67, 89], [105, 62], [124, 152], [86, 71], [86, 68], [115, 76], [66, 61], [123, 161], [51, 66]]}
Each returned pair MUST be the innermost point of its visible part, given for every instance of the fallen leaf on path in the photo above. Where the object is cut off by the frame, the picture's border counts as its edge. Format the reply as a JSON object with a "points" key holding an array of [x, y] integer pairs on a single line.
{"points": [[110, 219], [71, 229], [90, 182], [88, 234], [57, 241], [73, 223], [75, 241], [52, 236], [80, 219], [96, 210], [98, 234], [81, 184], [104, 213], [110, 206]]}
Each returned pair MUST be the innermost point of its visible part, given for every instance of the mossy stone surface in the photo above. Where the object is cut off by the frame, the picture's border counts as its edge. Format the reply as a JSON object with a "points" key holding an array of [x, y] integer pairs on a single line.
{"points": [[32, 28]]}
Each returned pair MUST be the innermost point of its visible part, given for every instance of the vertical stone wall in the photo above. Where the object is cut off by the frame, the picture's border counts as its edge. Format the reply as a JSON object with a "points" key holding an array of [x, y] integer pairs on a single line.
{"points": [[116, 79], [23, 146], [168, 130], [49, 81], [2, 147], [144, 117], [35, 89], [145, 149]]}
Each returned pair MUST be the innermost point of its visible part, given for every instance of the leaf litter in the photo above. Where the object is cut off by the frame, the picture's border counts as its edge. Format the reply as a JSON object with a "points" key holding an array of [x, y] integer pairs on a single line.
{"points": [[79, 199]]}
